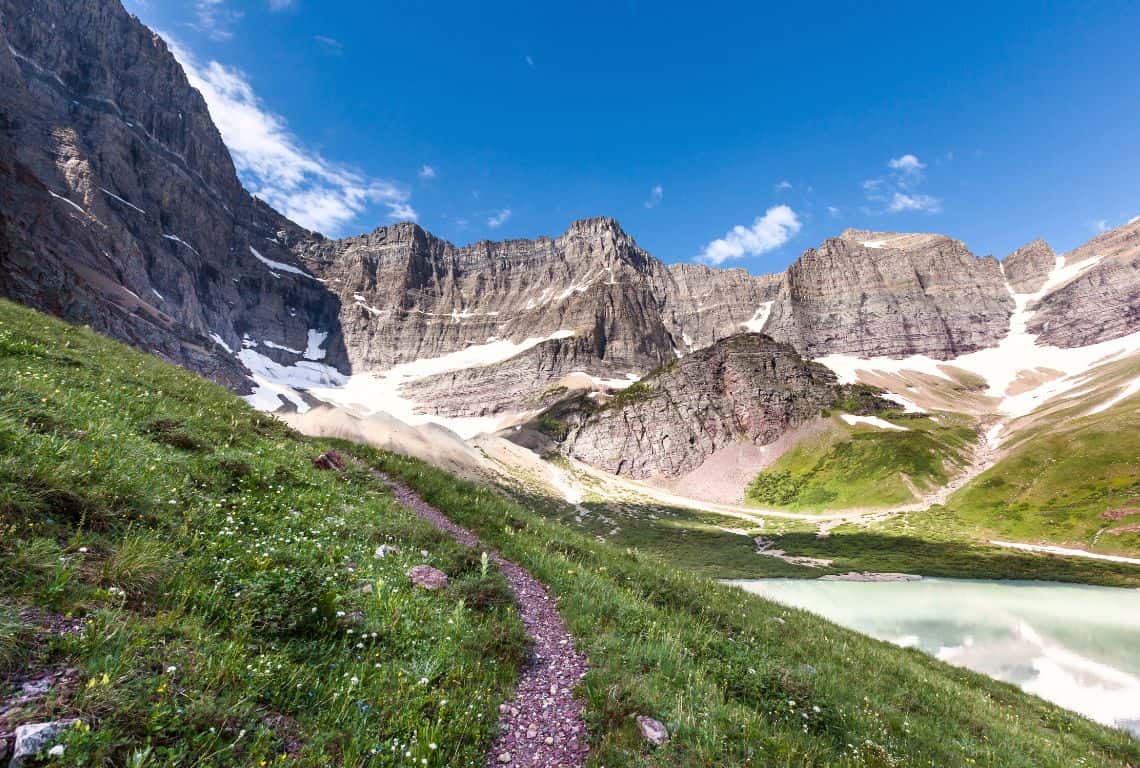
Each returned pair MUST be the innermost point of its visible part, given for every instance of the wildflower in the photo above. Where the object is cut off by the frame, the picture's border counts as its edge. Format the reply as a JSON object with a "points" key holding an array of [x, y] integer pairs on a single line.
{"points": [[56, 751]]}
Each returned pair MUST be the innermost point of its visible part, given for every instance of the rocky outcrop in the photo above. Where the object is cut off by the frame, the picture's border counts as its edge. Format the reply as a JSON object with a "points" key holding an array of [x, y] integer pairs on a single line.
{"points": [[1103, 301], [119, 204], [873, 294], [744, 388], [1027, 268]]}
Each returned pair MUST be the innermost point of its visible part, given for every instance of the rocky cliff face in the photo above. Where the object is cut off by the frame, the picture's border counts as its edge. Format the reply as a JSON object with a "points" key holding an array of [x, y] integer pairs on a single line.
{"points": [[1027, 268], [120, 208], [120, 205], [875, 294], [743, 388], [1101, 303]]}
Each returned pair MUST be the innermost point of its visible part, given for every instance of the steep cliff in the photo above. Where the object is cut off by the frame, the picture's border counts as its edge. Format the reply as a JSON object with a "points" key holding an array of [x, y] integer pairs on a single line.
{"points": [[1027, 268], [119, 204], [875, 294]]}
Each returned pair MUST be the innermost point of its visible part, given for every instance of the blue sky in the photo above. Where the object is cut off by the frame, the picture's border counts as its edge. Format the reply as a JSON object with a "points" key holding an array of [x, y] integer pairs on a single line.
{"points": [[735, 133]]}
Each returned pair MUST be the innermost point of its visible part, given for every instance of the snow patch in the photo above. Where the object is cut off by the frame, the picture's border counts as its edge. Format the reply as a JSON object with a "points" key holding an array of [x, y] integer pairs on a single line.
{"points": [[282, 347], [274, 382], [374, 393], [872, 421], [279, 266], [1129, 389], [1065, 552], [1017, 353], [73, 204], [127, 203], [314, 351], [221, 343], [756, 323], [908, 405], [180, 241]]}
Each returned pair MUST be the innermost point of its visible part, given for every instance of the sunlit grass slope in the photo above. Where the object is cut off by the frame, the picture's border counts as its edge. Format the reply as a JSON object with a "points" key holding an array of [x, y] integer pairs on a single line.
{"points": [[743, 682], [1072, 479], [862, 466], [230, 607], [233, 613]]}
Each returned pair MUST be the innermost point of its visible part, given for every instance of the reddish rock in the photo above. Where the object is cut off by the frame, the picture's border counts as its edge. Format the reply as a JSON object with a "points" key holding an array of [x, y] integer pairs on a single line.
{"points": [[331, 460], [426, 577]]}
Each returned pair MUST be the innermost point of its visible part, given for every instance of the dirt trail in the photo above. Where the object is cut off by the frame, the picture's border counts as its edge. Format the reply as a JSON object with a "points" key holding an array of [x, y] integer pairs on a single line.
{"points": [[543, 725]]}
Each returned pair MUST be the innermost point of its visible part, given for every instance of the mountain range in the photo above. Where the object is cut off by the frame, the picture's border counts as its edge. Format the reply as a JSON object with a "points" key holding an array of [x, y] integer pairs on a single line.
{"points": [[121, 209]]}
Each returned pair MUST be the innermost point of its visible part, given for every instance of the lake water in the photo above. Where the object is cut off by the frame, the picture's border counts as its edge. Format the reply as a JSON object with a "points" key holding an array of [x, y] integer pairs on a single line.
{"points": [[1077, 646]]}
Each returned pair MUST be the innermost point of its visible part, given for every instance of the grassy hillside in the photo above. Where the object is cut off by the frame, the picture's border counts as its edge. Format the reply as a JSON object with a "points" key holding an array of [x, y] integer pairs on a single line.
{"points": [[865, 466], [208, 598], [741, 681], [1074, 479]]}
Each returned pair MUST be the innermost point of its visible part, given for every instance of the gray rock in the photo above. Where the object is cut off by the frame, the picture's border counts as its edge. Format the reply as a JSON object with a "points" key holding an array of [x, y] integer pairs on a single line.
{"points": [[653, 731], [426, 577], [384, 550], [745, 388], [1027, 268], [904, 294], [1100, 304], [34, 738]]}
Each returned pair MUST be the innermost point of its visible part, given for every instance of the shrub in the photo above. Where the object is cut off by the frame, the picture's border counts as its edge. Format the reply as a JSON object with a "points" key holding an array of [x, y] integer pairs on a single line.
{"points": [[483, 592], [137, 565]]}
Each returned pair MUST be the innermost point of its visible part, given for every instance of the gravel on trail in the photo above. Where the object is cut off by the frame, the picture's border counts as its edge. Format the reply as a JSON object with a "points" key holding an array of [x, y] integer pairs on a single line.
{"points": [[543, 725]]}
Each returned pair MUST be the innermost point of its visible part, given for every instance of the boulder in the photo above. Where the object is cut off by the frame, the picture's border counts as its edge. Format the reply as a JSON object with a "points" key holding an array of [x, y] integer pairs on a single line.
{"points": [[653, 731], [426, 577], [34, 738]]}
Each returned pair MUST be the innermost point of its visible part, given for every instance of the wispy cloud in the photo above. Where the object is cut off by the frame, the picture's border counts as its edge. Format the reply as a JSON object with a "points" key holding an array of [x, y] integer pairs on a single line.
{"points": [[901, 201], [896, 192], [281, 5], [274, 164], [777, 226], [330, 44], [832, 210], [426, 172], [499, 218], [1134, 219], [783, 186], [656, 195], [214, 19], [1099, 225], [529, 62]]}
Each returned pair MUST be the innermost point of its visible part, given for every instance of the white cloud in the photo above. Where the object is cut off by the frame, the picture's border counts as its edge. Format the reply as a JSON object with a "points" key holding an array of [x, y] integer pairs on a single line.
{"points": [[498, 219], [1134, 219], [831, 209], [427, 172], [901, 201], [312, 191], [895, 193], [783, 186], [214, 19], [1100, 225], [656, 195], [908, 165], [768, 232]]}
